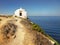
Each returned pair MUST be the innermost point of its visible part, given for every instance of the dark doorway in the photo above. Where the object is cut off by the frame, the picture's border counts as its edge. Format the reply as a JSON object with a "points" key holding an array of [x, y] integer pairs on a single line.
{"points": [[20, 14]]}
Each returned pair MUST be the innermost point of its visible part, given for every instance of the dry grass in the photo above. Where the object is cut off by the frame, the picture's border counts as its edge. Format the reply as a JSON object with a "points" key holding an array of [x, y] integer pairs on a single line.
{"points": [[18, 31]]}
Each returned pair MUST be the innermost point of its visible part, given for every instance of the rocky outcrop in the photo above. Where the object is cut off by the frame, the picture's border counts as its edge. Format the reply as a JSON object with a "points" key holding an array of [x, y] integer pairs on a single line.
{"points": [[18, 31]]}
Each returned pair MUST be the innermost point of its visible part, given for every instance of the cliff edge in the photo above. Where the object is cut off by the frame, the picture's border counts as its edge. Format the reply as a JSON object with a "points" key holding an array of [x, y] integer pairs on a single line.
{"points": [[19, 31]]}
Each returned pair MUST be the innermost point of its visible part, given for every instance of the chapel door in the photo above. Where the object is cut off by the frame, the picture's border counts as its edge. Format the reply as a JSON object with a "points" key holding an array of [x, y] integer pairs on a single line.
{"points": [[20, 13]]}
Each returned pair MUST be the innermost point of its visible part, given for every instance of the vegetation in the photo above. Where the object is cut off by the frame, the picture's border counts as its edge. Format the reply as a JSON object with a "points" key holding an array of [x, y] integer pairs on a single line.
{"points": [[39, 29]]}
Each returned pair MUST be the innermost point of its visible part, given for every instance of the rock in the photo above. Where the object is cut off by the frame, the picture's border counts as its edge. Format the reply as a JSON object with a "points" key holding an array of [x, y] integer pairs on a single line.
{"points": [[18, 31]]}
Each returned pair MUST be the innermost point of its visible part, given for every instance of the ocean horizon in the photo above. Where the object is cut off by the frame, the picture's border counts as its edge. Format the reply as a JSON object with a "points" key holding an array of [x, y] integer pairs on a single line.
{"points": [[50, 24]]}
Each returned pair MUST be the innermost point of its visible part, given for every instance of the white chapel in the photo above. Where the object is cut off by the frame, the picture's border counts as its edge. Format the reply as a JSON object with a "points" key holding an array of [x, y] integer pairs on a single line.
{"points": [[21, 13]]}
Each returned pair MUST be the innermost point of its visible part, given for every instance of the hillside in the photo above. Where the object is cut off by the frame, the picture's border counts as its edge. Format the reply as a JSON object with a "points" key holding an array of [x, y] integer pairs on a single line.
{"points": [[19, 31]]}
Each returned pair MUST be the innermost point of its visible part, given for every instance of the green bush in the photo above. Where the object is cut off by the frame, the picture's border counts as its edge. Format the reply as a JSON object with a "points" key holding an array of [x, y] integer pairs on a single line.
{"points": [[37, 27]]}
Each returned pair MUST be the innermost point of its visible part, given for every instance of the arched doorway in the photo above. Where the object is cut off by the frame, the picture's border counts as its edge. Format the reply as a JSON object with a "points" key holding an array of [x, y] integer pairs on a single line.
{"points": [[20, 13]]}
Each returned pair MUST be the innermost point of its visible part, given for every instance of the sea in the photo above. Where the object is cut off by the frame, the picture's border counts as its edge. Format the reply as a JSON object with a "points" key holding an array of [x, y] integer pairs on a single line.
{"points": [[50, 24]]}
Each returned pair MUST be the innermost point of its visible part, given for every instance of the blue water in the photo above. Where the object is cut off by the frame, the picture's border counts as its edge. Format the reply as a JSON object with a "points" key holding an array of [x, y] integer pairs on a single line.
{"points": [[50, 24]]}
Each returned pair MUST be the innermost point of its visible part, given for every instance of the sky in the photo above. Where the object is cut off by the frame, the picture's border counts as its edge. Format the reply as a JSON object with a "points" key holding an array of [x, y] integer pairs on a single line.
{"points": [[33, 7]]}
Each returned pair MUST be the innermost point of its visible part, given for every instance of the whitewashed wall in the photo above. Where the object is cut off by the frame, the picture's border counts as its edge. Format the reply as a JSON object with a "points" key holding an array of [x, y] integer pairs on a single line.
{"points": [[17, 13]]}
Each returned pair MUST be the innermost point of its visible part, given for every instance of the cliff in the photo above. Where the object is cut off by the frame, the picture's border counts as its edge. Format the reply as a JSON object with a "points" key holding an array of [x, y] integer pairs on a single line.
{"points": [[19, 31]]}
